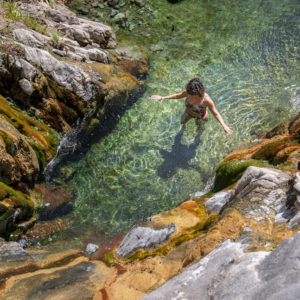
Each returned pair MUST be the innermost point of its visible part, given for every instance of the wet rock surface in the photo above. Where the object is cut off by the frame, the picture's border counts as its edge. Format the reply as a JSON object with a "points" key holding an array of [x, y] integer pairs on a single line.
{"points": [[56, 201]]}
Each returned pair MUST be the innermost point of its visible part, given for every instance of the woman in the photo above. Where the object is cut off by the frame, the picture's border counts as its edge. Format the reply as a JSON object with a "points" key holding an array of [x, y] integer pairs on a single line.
{"points": [[196, 103]]}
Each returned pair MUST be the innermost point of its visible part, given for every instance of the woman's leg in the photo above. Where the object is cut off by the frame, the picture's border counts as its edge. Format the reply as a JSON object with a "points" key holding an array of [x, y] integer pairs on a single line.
{"points": [[184, 119], [200, 123]]}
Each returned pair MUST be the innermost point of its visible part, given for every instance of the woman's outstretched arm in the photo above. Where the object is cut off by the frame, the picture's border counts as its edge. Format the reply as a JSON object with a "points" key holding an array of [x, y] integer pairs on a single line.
{"points": [[175, 96], [216, 114]]}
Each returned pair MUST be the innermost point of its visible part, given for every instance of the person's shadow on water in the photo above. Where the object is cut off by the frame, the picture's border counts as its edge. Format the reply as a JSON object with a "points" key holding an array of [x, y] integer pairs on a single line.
{"points": [[179, 157]]}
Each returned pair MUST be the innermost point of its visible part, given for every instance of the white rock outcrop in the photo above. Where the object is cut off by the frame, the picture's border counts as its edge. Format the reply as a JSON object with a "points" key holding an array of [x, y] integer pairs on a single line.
{"points": [[30, 38], [143, 238], [69, 76]]}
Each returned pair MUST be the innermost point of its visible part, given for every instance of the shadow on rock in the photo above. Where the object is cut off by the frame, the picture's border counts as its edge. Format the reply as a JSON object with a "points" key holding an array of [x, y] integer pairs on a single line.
{"points": [[179, 157]]}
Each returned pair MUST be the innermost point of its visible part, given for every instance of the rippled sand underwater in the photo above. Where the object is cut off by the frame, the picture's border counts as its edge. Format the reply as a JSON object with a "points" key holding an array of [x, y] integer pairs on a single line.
{"points": [[247, 55]]}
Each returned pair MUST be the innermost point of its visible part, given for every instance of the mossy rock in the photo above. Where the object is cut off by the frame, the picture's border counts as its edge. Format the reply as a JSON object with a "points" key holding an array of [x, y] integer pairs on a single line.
{"points": [[231, 171], [38, 135], [9, 144], [22, 199], [15, 207], [269, 152]]}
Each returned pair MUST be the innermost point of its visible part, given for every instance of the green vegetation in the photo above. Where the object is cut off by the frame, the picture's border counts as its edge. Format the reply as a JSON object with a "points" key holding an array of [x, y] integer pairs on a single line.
{"points": [[9, 144], [52, 3], [55, 36], [21, 200], [34, 24], [11, 10]]}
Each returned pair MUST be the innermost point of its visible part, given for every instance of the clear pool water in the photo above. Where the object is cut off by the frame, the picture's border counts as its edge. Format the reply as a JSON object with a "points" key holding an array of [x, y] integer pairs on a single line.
{"points": [[247, 55]]}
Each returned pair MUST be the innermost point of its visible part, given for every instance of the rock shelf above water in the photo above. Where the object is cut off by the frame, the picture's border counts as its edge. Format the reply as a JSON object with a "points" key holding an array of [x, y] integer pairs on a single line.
{"points": [[66, 75], [248, 219]]}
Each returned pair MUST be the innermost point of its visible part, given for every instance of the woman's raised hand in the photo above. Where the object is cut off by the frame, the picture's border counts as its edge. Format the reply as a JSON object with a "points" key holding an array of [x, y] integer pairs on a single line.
{"points": [[156, 97]]}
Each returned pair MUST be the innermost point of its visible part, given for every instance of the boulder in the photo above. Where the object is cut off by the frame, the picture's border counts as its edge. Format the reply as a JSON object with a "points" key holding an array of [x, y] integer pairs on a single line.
{"points": [[143, 238], [91, 248], [11, 251], [261, 193], [88, 32]]}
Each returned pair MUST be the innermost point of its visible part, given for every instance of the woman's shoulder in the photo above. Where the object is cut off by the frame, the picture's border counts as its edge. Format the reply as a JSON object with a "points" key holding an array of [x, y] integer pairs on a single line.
{"points": [[207, 98]]}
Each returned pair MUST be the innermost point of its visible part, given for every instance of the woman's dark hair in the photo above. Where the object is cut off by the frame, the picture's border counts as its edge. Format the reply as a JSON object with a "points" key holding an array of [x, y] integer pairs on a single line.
{"points": [[195, 87]]}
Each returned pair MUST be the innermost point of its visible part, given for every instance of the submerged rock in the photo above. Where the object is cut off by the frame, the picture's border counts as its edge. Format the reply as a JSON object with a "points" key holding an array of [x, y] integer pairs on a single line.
{"points": [[143, 237], [56, 201]]}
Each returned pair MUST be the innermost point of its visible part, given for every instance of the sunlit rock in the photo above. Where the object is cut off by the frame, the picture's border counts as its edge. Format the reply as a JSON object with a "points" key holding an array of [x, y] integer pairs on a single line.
{"points": [[217, 201], [69, 76], [91, 248], [31, 38], [256, 275], [11, 251], [143, 237]]}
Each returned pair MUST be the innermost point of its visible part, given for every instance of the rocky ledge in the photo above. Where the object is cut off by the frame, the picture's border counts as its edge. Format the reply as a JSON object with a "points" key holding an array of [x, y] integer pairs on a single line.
{"points": [[238, 242], [60, 77]]}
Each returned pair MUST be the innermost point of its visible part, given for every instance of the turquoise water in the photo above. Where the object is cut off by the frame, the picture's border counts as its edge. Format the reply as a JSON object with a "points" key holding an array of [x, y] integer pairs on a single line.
{"points": [[247, 55]]}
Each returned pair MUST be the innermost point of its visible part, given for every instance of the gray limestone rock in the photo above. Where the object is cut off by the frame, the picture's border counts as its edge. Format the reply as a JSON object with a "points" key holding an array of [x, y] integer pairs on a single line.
{"points": [[87, 55], [262, 194], [98, 55], [30, 38], [91, 248], [217, 201], [11, 251], [230, 273], [297, 182], [67, 23], [22, 69], [295, 221], [88, 32], [69, 76], [26, 86], [143, 237], [59, 52]]}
